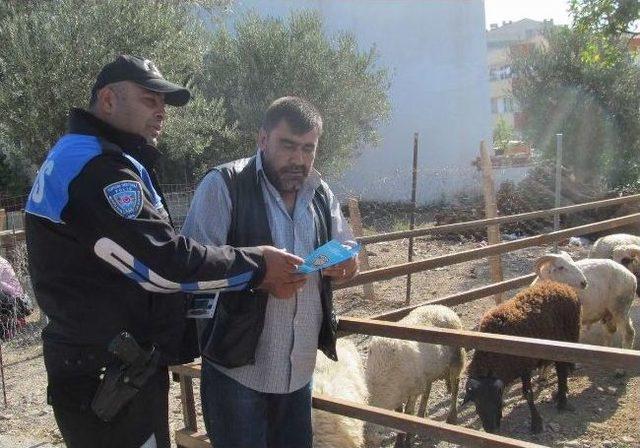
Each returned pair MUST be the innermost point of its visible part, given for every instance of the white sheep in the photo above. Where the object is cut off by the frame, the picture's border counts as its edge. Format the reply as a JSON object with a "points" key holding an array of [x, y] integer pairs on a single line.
{"points": [[621, 248], [399, 372], [605, 290], [603, 247], [343, 379]]}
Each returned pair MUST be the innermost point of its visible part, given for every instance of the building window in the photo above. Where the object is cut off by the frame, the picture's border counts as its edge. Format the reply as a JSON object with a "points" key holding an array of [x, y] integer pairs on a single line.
{"points": [[508, 105], [494, 105]]}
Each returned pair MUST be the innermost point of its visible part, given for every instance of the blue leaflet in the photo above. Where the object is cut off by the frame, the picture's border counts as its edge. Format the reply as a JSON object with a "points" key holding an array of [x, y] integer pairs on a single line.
{"points": [[329, 254]]}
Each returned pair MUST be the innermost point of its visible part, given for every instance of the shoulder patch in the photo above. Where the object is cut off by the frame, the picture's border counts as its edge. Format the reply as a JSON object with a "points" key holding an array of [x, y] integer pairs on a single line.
{"points": [[125, 197]]}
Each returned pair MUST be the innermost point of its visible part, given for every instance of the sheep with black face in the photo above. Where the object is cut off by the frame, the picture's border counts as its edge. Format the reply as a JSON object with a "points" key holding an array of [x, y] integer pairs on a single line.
{"points": [[546, 310]]}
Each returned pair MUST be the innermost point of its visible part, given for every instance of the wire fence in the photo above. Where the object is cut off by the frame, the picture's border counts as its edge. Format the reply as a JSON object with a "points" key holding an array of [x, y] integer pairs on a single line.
{"points": [[21, 320]]}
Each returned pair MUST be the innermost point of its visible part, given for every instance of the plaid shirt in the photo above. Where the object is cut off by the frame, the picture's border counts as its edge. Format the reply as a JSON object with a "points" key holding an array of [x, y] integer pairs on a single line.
{"points": [[286, 352]]}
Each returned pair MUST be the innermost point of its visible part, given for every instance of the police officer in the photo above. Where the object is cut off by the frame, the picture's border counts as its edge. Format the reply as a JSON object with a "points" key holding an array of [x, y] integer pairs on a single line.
{"points": [[104, 258]]}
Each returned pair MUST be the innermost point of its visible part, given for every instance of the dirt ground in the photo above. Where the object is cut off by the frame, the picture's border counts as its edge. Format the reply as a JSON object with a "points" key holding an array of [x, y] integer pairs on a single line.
{"points": [[607, 407]]}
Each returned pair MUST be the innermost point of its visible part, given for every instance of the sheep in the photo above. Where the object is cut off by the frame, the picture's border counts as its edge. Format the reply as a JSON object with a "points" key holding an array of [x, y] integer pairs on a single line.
{"points": [[606, 291], [603, 247], [546, 310], [398, 372], [622, 248], [628, 255], [343, 379]]}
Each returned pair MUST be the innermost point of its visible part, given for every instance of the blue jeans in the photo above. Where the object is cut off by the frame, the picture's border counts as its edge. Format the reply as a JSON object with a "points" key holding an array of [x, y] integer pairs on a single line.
{"points": [[239, 417]]}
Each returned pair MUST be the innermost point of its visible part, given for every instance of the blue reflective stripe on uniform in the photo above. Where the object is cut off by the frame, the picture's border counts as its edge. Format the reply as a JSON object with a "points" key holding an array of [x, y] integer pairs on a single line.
{"points": [[133, 268], [141, 268], [239, 287], [241, 278], [50, 192], [136, 277], [144, 175], [189, 287]]}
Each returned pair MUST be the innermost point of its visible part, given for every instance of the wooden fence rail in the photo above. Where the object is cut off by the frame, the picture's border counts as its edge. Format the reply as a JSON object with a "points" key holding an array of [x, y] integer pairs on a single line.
{"points": [[10, 237], [190, 437], [458, 298], [459, 226], [474, 254], [498, 343], [416, 425]]}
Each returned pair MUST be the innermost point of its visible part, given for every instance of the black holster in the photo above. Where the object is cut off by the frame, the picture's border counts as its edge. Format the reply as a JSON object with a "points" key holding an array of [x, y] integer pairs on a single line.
{"points": [[122, 380]]}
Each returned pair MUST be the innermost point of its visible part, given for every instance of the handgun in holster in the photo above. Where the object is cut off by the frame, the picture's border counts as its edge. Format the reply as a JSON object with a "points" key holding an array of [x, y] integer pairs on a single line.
{"points": [[124, 379]]}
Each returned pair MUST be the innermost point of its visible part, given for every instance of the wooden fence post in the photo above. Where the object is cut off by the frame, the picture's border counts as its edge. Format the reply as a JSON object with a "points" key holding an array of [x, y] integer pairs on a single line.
{"points": [[356, 225], [491, 211], [556, 216]]}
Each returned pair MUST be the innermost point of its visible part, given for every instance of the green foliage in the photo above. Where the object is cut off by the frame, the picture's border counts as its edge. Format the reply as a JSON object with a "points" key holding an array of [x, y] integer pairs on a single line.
{"points": [[604, 17], [502, 133], [268, 58], [606, 24], [51, 51], [593, 102]]}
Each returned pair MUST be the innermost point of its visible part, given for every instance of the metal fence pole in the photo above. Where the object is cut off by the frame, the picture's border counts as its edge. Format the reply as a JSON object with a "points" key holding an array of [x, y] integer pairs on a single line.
{"points": [[412, 216]]}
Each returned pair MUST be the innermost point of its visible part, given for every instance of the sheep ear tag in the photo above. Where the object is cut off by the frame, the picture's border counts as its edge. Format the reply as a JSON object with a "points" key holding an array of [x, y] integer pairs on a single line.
{"points": [[327, 255], [125, 198]]}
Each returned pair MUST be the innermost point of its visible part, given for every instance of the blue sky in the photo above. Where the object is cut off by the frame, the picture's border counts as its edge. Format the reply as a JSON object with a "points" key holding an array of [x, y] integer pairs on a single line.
{"points": [[498, 10]]}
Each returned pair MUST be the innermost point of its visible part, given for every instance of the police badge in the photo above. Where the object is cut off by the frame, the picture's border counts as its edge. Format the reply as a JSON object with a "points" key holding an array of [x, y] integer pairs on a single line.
{"points": [[125, 197]]}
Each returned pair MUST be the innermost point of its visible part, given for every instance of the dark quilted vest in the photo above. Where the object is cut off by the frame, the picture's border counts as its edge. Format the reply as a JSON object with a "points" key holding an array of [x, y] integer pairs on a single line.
{"points": [[231, 338]]}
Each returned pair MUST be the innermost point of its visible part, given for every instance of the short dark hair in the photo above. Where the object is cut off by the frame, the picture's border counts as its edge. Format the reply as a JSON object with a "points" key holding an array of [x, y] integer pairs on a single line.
{"points": [[93, 100], [299, 113]]}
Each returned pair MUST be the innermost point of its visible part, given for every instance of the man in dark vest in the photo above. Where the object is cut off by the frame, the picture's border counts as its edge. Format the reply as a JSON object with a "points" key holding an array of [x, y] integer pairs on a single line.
{"points": [[258, 351]]}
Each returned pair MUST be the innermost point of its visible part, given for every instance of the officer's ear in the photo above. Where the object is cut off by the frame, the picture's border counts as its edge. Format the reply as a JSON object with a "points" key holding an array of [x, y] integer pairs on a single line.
{"points": [[107, 98]]}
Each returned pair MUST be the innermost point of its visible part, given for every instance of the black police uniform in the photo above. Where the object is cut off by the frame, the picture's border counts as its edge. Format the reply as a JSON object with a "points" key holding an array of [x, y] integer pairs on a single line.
{"points": [[103, 258]]}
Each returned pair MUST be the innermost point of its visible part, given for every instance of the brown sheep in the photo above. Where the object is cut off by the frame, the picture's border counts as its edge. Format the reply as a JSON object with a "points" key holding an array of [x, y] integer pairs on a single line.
{"points": [[546, 310]]}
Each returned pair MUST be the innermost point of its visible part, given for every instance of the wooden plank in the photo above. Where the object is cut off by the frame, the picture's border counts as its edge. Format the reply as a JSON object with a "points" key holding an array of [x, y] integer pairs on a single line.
{"points": [[3, 219], [355, 220], [415, 425], [483, 252], [458, 298], [10, 237], [510, 345], [191, 370], [491, 211], [558, 189], [188, 403], [191, 439], [459, 226]]}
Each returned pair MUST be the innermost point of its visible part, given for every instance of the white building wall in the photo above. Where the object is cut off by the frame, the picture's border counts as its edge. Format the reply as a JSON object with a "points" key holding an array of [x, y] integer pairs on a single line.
{"points": [[436, 53]]}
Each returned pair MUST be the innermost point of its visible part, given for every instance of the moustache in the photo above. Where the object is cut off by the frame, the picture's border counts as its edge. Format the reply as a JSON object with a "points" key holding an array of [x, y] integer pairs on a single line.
{"points": [[297, 170]]}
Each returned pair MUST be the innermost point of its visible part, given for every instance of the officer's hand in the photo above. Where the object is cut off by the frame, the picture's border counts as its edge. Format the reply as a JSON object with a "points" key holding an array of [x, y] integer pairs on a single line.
{"points": [[282, 279]]}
